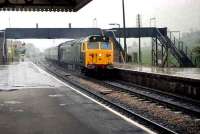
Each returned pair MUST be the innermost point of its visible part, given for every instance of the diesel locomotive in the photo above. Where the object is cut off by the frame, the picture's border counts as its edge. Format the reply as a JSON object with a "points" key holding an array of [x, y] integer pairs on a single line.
{"points": [[88, 54]]}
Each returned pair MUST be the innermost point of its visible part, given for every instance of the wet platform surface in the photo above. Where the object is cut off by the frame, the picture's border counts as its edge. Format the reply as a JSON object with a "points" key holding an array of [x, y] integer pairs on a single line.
{"points": [[42, 105], [24, 75], [192, 73]]}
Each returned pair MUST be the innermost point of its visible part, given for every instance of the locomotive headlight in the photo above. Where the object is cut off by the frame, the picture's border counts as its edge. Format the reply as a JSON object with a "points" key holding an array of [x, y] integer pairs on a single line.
{"points": [[100, 55]]}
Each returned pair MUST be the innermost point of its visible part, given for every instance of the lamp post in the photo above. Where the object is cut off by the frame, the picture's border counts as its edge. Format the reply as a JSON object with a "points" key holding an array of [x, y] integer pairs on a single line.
{"points": [[116, 24], [154, 46], [113, 32], [139, 22], [124, 31]]}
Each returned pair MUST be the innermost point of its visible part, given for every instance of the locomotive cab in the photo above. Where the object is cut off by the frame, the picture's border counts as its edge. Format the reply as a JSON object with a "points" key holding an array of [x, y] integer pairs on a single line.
{"points": [[98, 53]]}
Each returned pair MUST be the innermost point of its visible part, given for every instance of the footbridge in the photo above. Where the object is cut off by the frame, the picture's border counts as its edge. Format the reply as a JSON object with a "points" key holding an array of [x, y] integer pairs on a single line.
{"points": [[158, 35]]}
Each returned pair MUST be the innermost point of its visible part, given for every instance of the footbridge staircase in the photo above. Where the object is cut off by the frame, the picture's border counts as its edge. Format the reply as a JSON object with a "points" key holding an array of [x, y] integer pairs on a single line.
{"points": [[173, 46]]}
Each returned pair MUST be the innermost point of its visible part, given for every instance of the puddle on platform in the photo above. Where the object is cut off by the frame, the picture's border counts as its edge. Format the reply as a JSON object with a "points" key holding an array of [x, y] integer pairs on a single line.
{"points": [[62, 105], [12, 102], [8, 90], [19, 110], [55, 95], [6, 87]]}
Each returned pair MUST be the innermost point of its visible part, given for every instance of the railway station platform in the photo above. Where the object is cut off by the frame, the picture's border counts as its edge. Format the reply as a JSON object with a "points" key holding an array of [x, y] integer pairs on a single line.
{"points": [[34, 102], [191, 73], [180, 81]]}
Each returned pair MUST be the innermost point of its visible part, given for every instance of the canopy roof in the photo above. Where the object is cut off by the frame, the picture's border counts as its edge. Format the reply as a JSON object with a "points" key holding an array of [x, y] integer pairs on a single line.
{"points": [[43, 5]]}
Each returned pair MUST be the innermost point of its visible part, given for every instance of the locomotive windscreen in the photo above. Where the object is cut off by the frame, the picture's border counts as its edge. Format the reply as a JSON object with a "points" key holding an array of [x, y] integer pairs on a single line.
{"points": [[99, 39]]}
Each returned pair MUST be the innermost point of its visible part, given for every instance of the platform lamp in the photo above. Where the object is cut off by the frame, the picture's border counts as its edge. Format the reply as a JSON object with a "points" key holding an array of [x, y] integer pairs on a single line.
{"points": [[116, 24], [124, 30]]}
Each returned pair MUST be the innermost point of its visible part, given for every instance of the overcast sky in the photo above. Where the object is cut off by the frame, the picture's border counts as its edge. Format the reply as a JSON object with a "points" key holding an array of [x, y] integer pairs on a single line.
{"points": [[182, 15]]}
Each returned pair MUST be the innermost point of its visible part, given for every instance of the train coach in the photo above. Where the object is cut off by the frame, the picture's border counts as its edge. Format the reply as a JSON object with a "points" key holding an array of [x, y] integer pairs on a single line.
{"points": [[94, 53]]}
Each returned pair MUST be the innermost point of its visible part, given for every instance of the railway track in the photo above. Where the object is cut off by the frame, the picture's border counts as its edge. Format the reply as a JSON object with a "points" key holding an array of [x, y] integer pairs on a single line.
{"points": [[186, 106], [174, 102], [123, 110]]}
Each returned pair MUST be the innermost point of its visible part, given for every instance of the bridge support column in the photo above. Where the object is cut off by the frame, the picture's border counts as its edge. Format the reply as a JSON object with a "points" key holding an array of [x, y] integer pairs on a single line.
{"points": [[167, 56], [154, 52], [160, 54], [3, 48]]}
